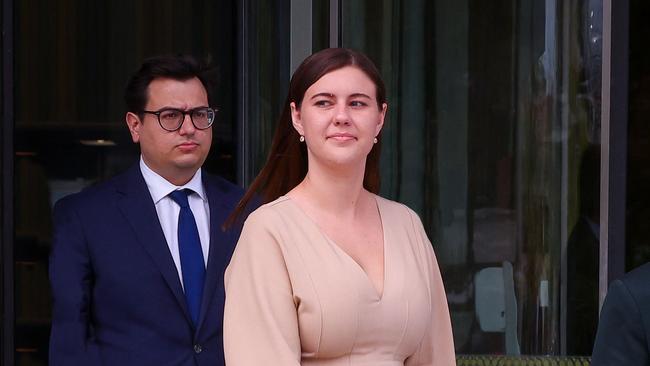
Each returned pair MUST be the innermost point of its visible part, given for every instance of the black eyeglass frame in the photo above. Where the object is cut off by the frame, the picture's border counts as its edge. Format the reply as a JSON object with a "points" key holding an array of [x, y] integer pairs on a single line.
{"points": [[189, 112]]}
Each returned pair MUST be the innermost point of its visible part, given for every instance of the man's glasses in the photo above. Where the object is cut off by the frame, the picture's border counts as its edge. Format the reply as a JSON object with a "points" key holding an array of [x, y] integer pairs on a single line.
{"points": [[171, 119]]}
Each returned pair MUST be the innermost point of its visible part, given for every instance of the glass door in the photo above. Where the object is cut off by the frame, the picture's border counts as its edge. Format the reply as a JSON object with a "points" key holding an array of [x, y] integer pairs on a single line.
{"points": [[493, 137]]}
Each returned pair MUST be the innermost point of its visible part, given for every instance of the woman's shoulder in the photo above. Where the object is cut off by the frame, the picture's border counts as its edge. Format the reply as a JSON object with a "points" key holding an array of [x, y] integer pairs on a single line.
{"points": [[270, 212], [397, 210], [402, 220], [279, 204]]}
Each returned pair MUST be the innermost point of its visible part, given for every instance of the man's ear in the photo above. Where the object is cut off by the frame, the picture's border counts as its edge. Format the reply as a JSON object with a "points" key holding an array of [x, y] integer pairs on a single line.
{"points": [[134, 123], [296, 120]]}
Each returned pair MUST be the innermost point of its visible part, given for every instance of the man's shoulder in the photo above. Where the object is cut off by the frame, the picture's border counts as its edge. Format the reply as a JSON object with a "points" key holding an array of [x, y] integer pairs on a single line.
{"points": [[228, 193], [221, 183], [631, 290], [637, 281], [98, 193]]}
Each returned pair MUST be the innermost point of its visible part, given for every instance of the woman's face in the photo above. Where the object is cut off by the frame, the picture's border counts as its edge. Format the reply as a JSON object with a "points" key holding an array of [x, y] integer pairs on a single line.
{"points": [[339, 118]]}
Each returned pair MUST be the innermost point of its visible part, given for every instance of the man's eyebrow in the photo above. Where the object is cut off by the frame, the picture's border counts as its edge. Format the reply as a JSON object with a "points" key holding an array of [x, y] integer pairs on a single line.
{"points": [[362, 95], [181, 109]]}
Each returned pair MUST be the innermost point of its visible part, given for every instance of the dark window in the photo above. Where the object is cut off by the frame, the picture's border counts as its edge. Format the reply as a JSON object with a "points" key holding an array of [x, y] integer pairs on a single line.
{"points": [[638, 177]]}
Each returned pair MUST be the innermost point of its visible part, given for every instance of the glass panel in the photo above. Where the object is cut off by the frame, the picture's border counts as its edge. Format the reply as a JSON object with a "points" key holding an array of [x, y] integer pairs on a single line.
{"points": [[320, 24], [638, 170], [584, 84], [72, 62], [492, 137], [267, 78], [3, 296]]}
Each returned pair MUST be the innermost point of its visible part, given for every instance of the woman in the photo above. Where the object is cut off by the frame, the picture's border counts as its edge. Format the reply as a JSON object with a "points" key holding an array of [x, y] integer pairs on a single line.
{"points": [[327, 272]]}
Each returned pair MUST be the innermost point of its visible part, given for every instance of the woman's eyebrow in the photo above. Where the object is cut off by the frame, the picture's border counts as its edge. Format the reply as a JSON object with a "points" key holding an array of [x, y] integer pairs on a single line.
{"points": [[328, 95]]}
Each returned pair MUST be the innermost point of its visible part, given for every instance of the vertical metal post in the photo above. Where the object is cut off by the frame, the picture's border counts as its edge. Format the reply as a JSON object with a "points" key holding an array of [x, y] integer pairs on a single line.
{"points": [[565, 39], [6, 188], [335, 31], [614, 142], [300, 32], [603, 279], [243, 156]]}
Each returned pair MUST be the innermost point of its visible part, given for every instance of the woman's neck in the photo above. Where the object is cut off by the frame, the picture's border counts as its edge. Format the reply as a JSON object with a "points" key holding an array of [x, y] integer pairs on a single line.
{"points": [[336, 193]]}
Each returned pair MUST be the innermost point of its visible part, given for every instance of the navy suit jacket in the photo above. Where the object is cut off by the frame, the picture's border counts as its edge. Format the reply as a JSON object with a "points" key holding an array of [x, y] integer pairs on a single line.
{"points": [[623, 336], [117, 297]]}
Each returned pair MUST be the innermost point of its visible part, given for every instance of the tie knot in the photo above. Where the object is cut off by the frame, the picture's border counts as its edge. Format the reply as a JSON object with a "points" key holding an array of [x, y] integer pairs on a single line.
{"points": [[180, 197]]}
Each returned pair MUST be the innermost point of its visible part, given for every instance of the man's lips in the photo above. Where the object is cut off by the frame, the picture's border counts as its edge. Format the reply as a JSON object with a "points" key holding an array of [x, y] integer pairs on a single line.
{"points": [[189, 145]]}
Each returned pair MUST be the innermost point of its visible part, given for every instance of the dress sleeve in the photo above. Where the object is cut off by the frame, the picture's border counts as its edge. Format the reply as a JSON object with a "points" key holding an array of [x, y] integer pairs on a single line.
{"points": [[621, 337], [260, 318], [437, 346]]}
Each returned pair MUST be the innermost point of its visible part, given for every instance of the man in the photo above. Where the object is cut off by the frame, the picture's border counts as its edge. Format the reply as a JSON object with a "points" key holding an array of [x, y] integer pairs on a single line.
{"points": [[623, 336], [137, 262]]}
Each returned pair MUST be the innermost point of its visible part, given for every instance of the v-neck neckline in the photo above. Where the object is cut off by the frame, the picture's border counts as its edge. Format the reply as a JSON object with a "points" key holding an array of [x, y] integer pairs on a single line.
{"points": [[379, 296]]}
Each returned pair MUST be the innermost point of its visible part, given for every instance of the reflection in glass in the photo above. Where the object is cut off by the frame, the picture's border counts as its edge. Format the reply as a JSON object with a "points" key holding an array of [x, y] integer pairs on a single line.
{"points": [[638, 170], [321, 25], [266, 78], [492, 112], [2, 188]]}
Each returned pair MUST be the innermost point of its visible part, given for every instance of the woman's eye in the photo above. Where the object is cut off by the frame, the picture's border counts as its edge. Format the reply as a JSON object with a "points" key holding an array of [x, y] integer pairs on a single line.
{"points": [[322, 103], [357, 103]]}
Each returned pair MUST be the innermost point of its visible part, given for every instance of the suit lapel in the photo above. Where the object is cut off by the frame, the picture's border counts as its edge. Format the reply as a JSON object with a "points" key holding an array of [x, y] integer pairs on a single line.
{"points": [[219, 246], [136, 205]]}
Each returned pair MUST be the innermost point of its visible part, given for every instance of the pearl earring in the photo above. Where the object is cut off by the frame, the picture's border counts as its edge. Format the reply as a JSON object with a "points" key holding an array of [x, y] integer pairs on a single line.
{"points": [[375, 140], [302, 138]]}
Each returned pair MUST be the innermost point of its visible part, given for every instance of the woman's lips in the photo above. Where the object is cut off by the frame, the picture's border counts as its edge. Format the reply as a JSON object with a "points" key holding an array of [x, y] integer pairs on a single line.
{"points": [[342, 137]]}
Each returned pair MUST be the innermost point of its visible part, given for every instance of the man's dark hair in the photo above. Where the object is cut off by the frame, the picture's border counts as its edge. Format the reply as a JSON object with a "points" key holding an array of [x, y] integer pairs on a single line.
{"points": [[177, 67]]}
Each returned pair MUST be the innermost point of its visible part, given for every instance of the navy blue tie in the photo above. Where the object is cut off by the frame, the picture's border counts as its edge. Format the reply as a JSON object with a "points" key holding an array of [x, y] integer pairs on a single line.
{"points": [[189, 247]]}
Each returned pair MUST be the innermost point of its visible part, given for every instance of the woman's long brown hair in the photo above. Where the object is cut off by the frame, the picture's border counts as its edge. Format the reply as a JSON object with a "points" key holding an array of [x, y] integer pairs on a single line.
{"points": [[286, 165]]}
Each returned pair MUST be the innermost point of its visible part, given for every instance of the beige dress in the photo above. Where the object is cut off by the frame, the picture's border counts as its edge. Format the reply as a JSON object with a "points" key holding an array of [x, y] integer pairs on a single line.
{"points": [[293, 297]]}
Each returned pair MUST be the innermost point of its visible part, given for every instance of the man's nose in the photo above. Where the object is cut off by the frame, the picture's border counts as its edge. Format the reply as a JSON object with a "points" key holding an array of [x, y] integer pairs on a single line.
{"points": [[187, 126]]}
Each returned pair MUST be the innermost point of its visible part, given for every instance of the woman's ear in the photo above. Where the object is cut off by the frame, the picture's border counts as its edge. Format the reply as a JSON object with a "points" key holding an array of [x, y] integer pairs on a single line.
{"points": [[382, 116], [295, 119]]}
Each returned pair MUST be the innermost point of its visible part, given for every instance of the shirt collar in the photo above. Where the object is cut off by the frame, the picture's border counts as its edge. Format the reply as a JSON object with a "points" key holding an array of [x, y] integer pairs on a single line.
{"points": [[160, 187]]}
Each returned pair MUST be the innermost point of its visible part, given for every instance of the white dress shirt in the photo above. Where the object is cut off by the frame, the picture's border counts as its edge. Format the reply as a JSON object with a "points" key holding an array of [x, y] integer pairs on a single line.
{"points": [[168, 211]]}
